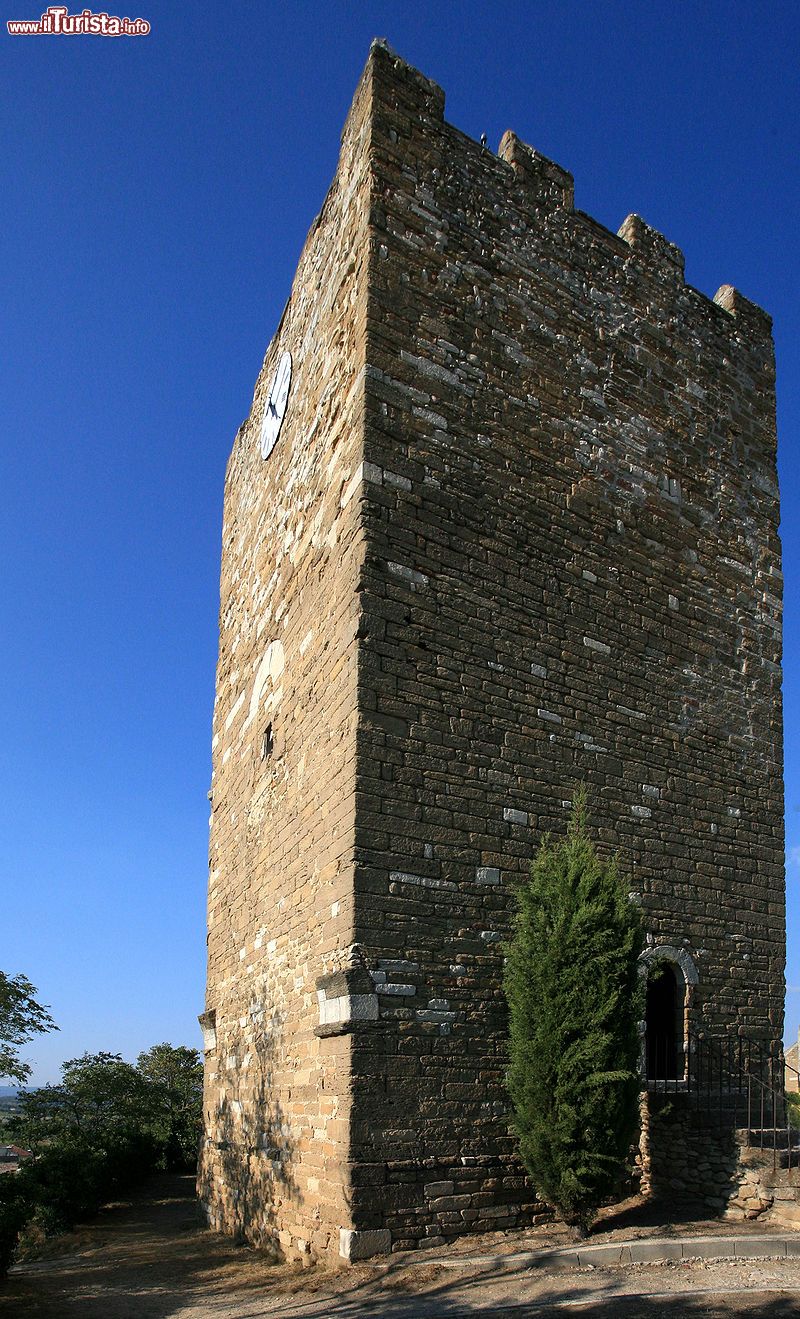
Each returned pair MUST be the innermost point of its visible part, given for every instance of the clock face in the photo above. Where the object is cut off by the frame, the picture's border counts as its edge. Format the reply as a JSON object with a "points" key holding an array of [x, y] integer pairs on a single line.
{"points": [[276, 405]]}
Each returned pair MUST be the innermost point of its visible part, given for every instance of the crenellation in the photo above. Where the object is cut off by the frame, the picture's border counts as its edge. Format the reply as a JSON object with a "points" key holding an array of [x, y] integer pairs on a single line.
{"points": [[750, 314], [545, 183], [652, 247]]}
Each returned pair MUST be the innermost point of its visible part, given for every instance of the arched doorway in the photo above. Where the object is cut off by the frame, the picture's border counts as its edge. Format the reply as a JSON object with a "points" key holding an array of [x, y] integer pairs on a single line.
{"points": [[670, 977], [664, 1024]]}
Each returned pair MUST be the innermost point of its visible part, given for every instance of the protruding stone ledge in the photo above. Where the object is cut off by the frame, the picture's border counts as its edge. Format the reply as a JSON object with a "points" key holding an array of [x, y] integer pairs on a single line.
{"points": [[548, 183], [345, 1000], [208, 1025], [740, 1245]]}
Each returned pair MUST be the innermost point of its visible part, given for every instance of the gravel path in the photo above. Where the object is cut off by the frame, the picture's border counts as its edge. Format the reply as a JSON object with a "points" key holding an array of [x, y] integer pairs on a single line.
{"points": [[151, 1258]]}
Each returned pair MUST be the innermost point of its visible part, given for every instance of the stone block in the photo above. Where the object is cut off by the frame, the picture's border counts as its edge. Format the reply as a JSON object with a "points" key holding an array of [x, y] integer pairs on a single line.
{"points": [[644, 1252], [435, 1189], [357, 1245], [709, 1247], [488, 874], [760, 1247]]}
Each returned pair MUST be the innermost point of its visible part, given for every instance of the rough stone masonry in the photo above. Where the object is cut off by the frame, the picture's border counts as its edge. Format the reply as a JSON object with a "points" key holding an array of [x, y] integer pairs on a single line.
{"points": [[518, 531]]}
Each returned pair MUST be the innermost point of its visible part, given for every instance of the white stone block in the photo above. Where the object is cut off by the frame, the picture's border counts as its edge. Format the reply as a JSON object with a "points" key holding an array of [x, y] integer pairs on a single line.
{"points": [[362, 1007], [355, 1245], [393, 478], [513, 816], [408, 574], [549, 716], [488, 875]]}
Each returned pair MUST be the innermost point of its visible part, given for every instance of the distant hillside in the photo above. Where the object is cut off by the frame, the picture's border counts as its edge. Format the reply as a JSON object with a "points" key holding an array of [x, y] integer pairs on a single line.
{"points": [[9, 1101]]}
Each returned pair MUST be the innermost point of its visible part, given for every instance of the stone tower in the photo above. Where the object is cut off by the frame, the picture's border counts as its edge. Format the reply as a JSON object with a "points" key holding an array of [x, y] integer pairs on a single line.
{"points": [[516, 528]]}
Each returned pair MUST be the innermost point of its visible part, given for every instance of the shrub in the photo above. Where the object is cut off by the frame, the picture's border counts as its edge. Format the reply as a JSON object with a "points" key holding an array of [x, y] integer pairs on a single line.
{"points": [[574, 1001], [65, 1184], [16, 1211]]}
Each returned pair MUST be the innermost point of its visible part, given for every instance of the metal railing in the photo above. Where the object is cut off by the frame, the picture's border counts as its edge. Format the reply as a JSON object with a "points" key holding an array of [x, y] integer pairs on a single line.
{"points": [[733, 1078]]}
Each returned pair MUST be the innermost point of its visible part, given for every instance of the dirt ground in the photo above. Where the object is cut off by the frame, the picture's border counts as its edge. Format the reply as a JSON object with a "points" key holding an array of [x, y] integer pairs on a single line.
{"points": [[151, 1258]]}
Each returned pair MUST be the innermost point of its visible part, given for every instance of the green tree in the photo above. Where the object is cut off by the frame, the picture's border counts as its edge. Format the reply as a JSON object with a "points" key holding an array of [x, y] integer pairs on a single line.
{"points": [[574, 1002], [100, 1098], [92, 1137], [95, 1134], [175, 1073], [21, 1017]]}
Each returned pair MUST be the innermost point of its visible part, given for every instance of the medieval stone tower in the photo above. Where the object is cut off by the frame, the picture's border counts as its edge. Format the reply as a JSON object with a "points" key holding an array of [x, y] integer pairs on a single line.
{"points": [[503, 518]]}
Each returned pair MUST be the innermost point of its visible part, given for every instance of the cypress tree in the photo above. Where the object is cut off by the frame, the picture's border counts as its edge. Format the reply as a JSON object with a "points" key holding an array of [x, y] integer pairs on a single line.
{"points": [[573, 992]]}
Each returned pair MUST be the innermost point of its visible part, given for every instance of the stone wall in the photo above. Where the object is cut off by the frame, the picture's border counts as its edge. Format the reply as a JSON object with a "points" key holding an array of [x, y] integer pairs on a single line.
{"points": [[691, 1156], [572, 574], [519, 531], [694, 1158], [280, 911]]}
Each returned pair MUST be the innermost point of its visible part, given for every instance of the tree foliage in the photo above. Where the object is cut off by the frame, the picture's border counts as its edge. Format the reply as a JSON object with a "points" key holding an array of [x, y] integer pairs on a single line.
{"points": [[106, 1125], [176, 1077], [574, 1001], [21, 1017], [102, 1101]]}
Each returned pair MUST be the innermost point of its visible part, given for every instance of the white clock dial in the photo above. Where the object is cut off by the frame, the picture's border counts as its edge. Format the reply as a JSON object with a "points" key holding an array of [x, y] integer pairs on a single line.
{"points": [[276, 405]]}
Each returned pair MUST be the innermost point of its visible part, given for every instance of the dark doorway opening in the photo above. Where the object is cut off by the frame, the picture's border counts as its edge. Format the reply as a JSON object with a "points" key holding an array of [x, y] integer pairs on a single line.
{"points": [[664, 1024]]}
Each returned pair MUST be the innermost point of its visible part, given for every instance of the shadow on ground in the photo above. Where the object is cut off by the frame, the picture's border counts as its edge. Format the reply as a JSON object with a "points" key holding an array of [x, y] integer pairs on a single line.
{"points": [[151, 1258], [767, 1305], [671, 1218]]}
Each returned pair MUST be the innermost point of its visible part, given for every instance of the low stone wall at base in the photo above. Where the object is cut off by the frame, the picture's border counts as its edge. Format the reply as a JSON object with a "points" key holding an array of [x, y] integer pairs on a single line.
{"points": [[692, 1157], [688, 1156], [764, 1191]]}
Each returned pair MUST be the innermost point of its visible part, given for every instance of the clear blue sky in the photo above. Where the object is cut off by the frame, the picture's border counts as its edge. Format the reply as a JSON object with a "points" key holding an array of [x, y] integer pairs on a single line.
{"points": [[154, 196]]}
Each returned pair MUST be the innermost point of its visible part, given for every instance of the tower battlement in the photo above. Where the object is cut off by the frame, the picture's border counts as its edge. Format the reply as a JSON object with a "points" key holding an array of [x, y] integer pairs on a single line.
{"points": [[540, 183], [502, 519]]}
